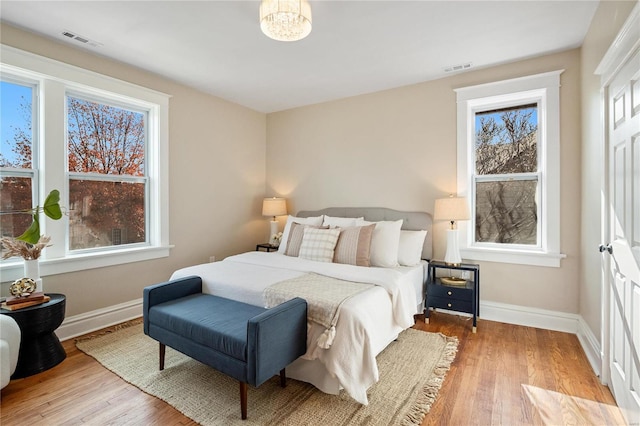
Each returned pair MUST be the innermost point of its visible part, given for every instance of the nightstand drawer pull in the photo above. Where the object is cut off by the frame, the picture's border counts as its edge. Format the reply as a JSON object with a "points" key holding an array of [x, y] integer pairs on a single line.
{"points": [[449, 293], [449, 305]]}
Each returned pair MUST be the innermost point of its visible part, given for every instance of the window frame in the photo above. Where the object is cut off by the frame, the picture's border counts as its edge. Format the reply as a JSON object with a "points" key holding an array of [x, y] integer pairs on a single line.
{"points": [[55, 79], [544, 90], [137, 107]]}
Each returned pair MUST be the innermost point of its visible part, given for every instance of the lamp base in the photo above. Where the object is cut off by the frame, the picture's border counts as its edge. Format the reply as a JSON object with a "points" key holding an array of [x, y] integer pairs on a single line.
{"points": [[452, 257], [273, 229]]}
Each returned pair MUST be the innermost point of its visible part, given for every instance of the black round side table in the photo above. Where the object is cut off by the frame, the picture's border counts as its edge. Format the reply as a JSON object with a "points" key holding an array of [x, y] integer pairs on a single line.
{"points": [[40, 348]]}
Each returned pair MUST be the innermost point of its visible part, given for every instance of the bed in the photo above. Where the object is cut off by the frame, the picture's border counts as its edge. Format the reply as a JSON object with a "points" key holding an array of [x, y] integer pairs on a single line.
{"points": [[369, 320]]}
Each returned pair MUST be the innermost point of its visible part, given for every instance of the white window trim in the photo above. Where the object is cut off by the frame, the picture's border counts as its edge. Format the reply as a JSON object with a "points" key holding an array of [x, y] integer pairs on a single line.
{"points": [[545, 87], [49, 72]]}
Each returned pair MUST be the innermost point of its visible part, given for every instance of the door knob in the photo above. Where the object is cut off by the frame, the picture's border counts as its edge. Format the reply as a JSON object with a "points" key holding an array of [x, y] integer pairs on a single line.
{"points": [[604, 248]]}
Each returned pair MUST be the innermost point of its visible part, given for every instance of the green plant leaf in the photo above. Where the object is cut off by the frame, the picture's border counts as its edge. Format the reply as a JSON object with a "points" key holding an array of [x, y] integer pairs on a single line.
{"points": [[52, 205], [31, 235]]}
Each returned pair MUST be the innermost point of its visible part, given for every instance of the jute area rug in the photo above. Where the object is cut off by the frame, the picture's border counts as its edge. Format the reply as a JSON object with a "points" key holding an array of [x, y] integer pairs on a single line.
{"points": [[412, 370]]}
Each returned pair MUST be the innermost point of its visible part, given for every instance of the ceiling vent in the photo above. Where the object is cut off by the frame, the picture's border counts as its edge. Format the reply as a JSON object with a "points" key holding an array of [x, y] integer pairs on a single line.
{"points": [[81, 39], [460, 67]]}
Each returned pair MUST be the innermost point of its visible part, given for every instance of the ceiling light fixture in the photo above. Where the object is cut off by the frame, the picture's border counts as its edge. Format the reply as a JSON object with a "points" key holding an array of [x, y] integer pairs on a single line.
{"points": [[285, 20]]}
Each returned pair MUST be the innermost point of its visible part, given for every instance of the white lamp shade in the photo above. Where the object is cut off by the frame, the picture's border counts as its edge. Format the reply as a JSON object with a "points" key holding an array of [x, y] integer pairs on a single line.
{"points": [[451, 209], [274, 207]]}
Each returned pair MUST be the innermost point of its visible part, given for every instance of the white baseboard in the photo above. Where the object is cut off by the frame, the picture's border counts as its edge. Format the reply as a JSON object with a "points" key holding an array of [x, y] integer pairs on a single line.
{"points": [[590, 345], [529, 317], [78, 325]]}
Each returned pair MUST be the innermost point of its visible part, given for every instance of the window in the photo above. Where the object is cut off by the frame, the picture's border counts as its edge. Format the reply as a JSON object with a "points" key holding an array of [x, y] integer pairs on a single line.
{"points": [[106, 147], [508, 167], [106, 152], [505, 180], [17, 168]]}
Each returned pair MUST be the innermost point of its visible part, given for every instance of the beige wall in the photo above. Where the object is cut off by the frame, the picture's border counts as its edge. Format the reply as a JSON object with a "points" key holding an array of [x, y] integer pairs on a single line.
{"points": [[216, 178], [605, 25], [397, 149]]}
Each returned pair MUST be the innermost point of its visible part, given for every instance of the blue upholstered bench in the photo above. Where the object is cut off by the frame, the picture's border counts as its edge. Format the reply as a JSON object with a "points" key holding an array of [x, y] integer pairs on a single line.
{"points": [[246, 342]]}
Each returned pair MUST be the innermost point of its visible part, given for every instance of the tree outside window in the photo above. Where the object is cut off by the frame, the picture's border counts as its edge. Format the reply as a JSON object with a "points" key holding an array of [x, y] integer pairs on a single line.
{"points": [[16, 155], [107, 179], [506, 175]]}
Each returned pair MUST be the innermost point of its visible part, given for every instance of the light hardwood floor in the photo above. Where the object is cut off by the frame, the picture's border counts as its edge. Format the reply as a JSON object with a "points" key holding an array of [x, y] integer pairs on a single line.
{"points": [[504, 374]]}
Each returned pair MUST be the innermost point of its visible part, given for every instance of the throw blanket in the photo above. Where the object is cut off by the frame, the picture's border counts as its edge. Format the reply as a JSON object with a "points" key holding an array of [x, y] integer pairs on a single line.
{"points": [[324, 296]]}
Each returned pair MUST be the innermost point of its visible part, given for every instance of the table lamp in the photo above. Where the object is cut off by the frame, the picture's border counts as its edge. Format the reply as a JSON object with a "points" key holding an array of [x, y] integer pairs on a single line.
{"points": [[274, 207], [452, 209]]}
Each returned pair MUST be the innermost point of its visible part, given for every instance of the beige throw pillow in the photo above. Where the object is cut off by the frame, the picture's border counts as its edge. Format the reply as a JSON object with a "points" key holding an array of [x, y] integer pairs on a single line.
{"points": [[354, 245], [295, 238], [319, 244]]}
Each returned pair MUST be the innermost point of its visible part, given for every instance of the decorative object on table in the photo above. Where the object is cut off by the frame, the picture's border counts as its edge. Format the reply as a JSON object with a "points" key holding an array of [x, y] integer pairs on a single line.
{"points": [[274, 207], [452, 209], [275, 239], [13, 303], [22, 287], [30, 243], [461, 282], [29, 252], [285, 20]]}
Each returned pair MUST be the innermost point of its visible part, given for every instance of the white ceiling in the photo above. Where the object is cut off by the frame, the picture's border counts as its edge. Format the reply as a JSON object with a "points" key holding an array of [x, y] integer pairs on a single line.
{"points": [[355, 47]]}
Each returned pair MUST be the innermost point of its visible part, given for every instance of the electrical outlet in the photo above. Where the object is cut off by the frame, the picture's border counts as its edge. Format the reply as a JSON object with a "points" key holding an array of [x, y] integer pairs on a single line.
{"points": [[212, 258], [465, 275]]}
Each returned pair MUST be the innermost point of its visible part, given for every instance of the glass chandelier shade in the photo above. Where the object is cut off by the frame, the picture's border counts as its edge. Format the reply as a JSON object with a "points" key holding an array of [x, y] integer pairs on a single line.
{"points": [[285, 20]]}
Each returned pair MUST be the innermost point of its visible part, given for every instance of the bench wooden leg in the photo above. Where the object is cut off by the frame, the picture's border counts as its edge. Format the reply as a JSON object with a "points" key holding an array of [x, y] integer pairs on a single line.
{"points": [[243, 400], [283, 378], [162, 350]]}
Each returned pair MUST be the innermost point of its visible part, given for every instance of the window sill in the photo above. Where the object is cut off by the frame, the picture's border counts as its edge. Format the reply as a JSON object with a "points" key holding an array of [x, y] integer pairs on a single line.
{"points": [[14, 270], [520, 257]]}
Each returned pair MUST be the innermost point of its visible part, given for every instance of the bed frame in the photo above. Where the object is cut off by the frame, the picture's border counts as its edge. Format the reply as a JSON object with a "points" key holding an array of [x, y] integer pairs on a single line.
{"points": [[412, 221]]}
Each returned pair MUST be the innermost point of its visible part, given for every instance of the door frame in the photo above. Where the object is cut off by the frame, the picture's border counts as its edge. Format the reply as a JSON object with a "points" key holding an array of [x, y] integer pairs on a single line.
{"points": [[623, 47]]}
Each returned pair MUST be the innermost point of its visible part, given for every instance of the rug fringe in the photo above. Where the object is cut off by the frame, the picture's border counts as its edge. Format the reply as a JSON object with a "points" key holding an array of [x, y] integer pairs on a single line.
{"points": [[109, 330], [429, 392]]}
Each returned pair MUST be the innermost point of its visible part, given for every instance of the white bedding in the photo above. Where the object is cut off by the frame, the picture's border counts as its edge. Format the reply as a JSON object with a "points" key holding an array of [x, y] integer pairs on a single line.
{"points": [[368, 322]]}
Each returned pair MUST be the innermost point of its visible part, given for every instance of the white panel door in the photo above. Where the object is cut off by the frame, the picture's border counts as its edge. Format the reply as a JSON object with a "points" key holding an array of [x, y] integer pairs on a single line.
{"points": [[623, 111]]}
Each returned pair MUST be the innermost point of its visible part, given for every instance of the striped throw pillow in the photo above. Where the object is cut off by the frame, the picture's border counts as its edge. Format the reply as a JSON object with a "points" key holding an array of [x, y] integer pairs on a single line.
{"points": [[354, 245], [295, 239], [319, 244]]}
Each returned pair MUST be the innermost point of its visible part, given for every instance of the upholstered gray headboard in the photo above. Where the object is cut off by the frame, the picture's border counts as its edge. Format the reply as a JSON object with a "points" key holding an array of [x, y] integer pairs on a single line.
{"points": [[412, 221]]}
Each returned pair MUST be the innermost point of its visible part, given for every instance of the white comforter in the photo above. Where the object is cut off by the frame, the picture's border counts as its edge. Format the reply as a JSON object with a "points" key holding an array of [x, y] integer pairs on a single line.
{"points": [[368, 322]]}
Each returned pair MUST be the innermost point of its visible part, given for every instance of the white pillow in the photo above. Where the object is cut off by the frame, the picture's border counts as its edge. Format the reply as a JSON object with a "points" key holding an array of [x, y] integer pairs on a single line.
{"points": [[319, 244], [315, 221], [410, 248], [340, 222], [385, 243]]}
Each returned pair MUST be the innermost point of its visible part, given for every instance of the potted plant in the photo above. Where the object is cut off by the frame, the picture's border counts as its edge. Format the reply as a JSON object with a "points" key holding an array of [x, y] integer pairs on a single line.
{"points": [[30, 243]]}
